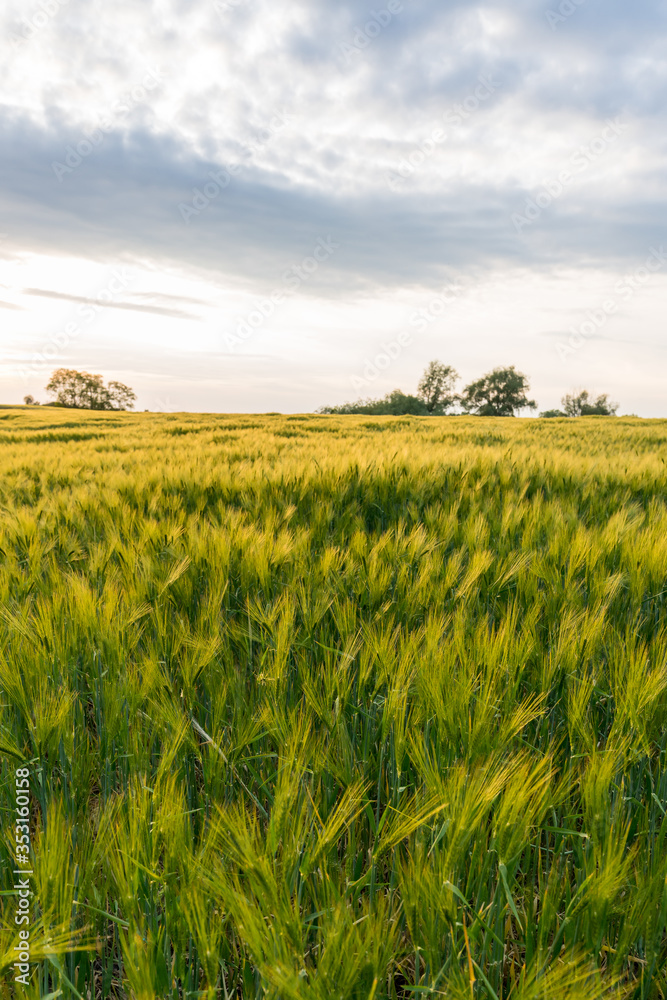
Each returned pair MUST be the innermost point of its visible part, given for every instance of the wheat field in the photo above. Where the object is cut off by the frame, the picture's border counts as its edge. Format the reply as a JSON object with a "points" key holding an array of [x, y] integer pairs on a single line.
{"points": [[320, 707]]}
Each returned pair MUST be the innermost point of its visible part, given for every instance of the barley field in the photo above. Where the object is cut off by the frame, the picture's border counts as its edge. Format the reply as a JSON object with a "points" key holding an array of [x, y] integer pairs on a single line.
{"points": [[320, 707]]}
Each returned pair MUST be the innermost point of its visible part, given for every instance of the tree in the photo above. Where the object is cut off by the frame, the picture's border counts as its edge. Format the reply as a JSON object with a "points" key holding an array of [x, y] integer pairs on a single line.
{"points": [[81, 390], [396, 403], [30, 401], [553, 413], [121, 396], [436, 387], [500, 393], [400, 403], [582, 404], [76, 389]]}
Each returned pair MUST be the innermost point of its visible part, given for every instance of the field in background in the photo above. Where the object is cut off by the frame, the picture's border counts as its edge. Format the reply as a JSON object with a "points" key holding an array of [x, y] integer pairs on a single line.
{"points": [[336, 707]]}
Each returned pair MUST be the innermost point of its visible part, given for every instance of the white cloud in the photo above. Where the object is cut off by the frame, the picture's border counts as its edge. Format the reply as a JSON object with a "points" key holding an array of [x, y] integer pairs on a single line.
{"points": [[225, 78]]}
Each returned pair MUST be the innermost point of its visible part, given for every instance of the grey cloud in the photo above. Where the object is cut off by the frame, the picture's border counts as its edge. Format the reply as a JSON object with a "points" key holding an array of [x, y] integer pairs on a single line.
{"points": [[104, 304], [123, 199], [262, 223], [162, 297]]}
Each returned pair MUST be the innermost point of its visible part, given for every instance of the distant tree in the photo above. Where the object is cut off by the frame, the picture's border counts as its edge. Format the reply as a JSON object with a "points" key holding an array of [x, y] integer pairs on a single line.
{"points": [[500, 393], [436, 387], [400, 403], [582, 404], [30, 401], [395, 403], [342, 408], [81, 390], [602, 406], [553, 413], [76, 389], [121, 396]]}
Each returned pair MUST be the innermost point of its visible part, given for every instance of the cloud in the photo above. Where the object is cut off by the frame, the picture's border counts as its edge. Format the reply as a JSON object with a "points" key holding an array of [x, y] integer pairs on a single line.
{"points": [[105, 304], [355, 125], [262, 222], [152, 296], [309, 109]]}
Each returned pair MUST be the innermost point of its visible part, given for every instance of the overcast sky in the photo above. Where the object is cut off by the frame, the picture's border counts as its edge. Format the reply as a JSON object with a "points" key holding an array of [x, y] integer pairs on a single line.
{"points": [[256, 206]]}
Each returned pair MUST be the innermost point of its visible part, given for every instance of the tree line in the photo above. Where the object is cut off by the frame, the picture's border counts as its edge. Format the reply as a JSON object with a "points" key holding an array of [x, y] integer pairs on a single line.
{"points": [[83, 391], [500, 393]]}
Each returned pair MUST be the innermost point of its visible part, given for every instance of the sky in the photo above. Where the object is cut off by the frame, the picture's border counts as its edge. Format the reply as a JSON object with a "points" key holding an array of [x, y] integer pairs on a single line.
{"points": [[252, 206]]}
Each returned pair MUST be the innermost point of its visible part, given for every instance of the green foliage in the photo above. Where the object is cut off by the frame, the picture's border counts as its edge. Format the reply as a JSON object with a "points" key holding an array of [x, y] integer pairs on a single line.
{"points": [[330, 707], [435, 395], [582, 404], [395, 403], [436, 387], [500, 393], [84, 391]]}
